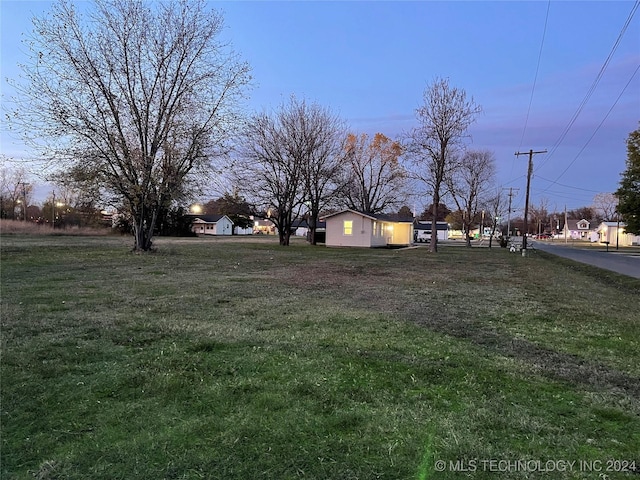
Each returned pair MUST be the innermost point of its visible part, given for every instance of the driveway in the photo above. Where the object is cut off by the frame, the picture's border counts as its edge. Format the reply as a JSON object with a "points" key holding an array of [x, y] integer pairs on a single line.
{"points": [[619, 261]]}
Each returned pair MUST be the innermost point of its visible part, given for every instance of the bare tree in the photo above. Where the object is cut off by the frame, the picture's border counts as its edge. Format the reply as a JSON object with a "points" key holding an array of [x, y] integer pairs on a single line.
{"points": [[539, 216], [323, 161], [290, 160], [470, 179], [443, 118], [273, 176], [374, 178], [15, 193], [605, 206], [140, 96], [497, 207]]}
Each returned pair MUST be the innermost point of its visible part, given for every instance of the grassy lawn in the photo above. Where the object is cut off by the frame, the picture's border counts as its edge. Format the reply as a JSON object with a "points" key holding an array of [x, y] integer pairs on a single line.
{"points": [[239, 359]]}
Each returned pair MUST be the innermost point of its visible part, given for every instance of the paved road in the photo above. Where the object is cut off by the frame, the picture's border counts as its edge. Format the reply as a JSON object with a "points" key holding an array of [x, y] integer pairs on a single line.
{"points": [[626, 263]]}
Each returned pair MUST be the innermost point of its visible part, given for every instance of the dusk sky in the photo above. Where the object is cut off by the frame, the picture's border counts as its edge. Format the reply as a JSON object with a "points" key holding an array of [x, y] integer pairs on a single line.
{"points": [[561, 76]]}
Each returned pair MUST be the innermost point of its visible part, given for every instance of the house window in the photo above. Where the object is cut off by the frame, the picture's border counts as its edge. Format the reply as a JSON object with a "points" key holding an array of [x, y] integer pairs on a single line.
{"points": [[375, 228], [348, 227]]}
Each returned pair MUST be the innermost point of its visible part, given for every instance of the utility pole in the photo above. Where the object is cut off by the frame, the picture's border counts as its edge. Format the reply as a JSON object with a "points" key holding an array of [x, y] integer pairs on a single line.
{"points": [[24, 200], [53, 209], [511, 189], [531, 153], [566, 227]]}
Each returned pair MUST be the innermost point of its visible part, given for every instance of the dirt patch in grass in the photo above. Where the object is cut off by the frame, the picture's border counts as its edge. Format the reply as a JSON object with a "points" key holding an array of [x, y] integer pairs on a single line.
{"points": [[543, 361], [456, 305]]}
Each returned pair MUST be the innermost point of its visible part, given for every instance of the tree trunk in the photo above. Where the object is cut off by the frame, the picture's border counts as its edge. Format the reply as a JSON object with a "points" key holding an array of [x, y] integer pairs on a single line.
{"points": [[433, 246], [284, 236], [312, 229], [142, 239], [143, 229]]}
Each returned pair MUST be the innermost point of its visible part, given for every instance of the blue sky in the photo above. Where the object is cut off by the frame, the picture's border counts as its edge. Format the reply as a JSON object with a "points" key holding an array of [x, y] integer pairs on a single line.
{"points": [[371, 61]]}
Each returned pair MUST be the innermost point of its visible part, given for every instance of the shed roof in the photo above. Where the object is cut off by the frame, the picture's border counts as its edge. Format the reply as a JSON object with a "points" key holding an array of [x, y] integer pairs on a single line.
{"points": [[441, 226], [210, 218]]}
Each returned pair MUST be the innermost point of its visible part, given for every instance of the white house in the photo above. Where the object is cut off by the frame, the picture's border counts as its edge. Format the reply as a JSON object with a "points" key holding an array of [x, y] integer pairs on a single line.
{"points": [[614, 234], [212, 225], [576, 229], [350, 228]]}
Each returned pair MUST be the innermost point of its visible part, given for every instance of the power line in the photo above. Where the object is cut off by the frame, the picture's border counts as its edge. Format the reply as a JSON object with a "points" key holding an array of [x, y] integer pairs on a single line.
{"points": [[563, 185], [597, 128], [593, 85], [535, 78]]}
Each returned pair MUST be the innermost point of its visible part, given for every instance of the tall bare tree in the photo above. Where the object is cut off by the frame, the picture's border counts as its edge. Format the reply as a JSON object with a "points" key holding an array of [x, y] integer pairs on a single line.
{"points": [[290, 160], [375, 180], [141, 96], [496, 206], [325, 133], [468, 182], [539, 216], [444, 117], [605, 206]]}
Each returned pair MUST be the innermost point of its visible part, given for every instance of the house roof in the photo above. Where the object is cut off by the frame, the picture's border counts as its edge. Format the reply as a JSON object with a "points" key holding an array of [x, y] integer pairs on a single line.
{"points": [[384, 217], [572, 224], [209, 218]]}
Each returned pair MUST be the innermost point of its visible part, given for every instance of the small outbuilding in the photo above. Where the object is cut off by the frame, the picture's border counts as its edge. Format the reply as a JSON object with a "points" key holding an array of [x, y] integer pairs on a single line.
{"points": [[422, 231], [350, 228], [212, 225], [300, 228]]}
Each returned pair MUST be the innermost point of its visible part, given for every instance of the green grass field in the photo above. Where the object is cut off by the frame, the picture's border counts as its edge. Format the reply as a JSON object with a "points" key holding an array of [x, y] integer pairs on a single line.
{"points": [[240, 359]]}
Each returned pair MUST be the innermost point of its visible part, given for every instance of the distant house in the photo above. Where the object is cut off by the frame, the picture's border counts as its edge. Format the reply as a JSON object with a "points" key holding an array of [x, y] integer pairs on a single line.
{"points": [[422, 231], [350, 228], [264, 227], [576, 229], [614, 234], [212, 225]]}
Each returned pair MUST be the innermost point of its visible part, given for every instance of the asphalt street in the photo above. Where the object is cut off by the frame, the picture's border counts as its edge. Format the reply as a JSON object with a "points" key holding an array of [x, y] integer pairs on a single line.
{"points": [[619, 261]]}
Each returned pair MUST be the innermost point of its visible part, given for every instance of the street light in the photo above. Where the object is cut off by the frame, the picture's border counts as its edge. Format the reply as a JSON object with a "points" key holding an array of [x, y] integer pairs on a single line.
{"points": [[53, 207]]}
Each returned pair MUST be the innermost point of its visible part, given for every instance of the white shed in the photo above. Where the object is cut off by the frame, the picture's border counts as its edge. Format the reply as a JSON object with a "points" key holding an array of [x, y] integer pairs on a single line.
{"points": [[212, 225]]}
